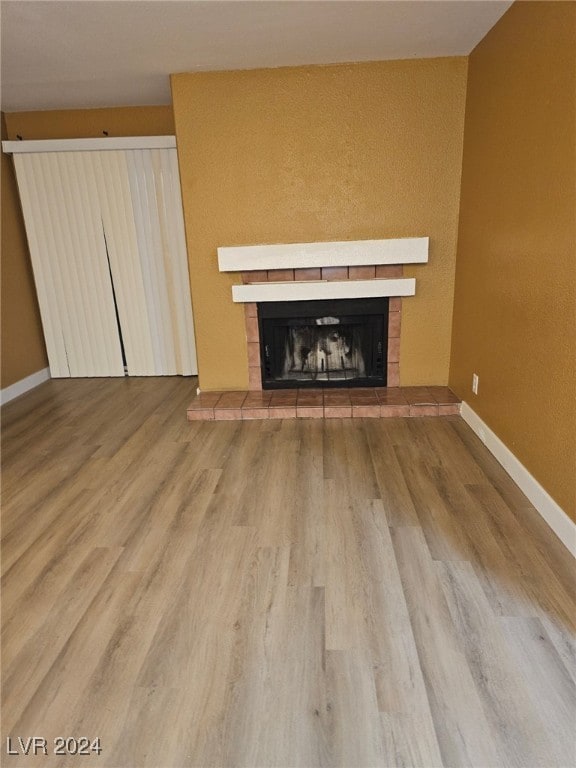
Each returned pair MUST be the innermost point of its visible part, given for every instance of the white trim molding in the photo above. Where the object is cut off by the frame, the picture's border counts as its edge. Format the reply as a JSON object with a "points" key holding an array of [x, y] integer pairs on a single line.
{"points": [[406, 250], [552, 513], [24, 385], [312, 290], [87, 145]]}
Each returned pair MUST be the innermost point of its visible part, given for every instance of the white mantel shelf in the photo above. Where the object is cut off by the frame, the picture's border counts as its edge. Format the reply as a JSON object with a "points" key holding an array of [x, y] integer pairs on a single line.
{"points": [[349, 253], [312, 290]]}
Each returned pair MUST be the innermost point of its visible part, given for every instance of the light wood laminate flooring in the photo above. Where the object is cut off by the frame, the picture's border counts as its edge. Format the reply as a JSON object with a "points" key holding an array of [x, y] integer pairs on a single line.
{"points": [[343, 592]]}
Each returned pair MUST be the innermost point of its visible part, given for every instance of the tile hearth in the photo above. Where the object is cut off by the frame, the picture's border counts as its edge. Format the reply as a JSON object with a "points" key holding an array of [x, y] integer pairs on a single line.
{"points": [[377, 402]]}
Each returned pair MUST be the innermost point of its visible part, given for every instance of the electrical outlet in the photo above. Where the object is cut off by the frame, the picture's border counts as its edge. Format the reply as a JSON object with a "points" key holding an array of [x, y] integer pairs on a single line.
{"points": [[475, 383]]}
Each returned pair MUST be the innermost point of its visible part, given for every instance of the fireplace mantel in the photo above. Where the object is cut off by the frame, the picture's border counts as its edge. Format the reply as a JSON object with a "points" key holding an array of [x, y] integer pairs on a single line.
{"points": [[406, 250], [323, 289]]}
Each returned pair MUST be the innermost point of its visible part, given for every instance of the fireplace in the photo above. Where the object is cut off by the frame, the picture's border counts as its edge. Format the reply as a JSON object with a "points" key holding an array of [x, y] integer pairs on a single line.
{"points": [[296, 337], [324, 343]]}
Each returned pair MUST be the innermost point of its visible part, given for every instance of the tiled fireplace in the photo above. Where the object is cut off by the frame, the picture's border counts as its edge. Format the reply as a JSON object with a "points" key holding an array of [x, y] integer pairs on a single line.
{"points": [[362, 269], [394, 310], [326, 275]]}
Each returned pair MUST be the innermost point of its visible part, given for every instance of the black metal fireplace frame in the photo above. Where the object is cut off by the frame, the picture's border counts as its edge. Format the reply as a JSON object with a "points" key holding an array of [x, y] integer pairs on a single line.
{"points": [[370, 311]]}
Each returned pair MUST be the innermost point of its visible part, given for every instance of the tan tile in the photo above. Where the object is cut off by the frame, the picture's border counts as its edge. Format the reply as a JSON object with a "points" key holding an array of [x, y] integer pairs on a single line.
{"points": [[366, 411], [395, 304], [251, 309], [254, 378], [393, 350], [394, 323], [205, 400], [443, 395], [451, 409], [393, 375], [286, 412], [368, 391], [423, 410], [389, 270], [227, 414], [254, 353], [418, 396], [280, 275], [257, 399], [284, 397], [336, 398], [307, 274], [334, 273], [231, 400], [255, 413], [361, 273], [252, 333], [201, 414], [364, 401], [337, 411], [310, 412], [394, 411], [361, 397], [310, 397], [255, 276], [391, 396]]}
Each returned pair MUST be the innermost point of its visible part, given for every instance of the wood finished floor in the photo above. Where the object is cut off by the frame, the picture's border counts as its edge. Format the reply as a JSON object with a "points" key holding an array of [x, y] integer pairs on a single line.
{"points": [[361, 592]]}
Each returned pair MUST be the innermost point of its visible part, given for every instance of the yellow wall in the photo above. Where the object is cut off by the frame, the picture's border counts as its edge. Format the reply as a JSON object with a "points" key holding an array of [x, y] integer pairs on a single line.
{"points": [[515, 299], [22, 342], [91, 123], [23, 350], [301, 154]]}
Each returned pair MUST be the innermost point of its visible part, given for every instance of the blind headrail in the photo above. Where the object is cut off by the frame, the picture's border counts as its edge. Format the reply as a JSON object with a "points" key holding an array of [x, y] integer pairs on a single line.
{"points": [[87, 145]]}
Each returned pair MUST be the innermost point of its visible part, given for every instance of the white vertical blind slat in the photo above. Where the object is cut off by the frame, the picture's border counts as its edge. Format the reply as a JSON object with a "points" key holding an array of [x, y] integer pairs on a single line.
{"points": [[48, 193], [165, 259], [110, 170], [158, 211], [145, 237], [69, 231], [43, 276], [146, 216], [177, 246]]}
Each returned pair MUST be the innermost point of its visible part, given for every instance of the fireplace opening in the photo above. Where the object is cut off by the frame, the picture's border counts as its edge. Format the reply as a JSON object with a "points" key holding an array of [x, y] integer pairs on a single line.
{"points": [[327, 343]]}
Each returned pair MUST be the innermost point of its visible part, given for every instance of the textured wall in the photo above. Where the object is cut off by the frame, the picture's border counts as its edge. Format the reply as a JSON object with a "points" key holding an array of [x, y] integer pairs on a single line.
{"points": [[22, 342], [90, 123], [321, 153], [515, 305]]}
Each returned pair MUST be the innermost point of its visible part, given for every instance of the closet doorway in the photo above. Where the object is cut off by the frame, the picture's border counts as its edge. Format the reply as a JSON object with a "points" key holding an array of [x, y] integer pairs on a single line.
{"points": [[106, 235]]}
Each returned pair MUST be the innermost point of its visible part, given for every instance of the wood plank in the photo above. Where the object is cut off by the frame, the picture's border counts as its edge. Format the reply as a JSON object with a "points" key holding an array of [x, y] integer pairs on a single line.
{"points": [[464, 734], [551, 685], [514, 721]]}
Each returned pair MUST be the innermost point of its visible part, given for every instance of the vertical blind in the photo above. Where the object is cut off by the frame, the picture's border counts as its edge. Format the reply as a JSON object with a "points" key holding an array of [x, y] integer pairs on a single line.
{"points": [[106, 237]]}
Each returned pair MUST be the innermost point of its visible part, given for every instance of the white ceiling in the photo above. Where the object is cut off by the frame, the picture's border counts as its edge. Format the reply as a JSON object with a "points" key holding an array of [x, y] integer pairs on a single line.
{"points": [[66, 54]]}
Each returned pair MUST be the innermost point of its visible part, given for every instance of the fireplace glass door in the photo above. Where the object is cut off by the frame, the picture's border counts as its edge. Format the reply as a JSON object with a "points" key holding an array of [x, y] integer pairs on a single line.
{"points": [[340, 343]]}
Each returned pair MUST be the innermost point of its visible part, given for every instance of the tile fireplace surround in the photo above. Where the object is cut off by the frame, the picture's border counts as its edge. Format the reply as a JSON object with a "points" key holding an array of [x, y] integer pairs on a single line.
{"points": [[331, 270]]}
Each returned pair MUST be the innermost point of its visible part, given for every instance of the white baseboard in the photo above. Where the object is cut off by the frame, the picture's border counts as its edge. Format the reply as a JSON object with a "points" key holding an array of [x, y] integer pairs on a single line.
{"points": [[24, 385], [552, 512]]}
